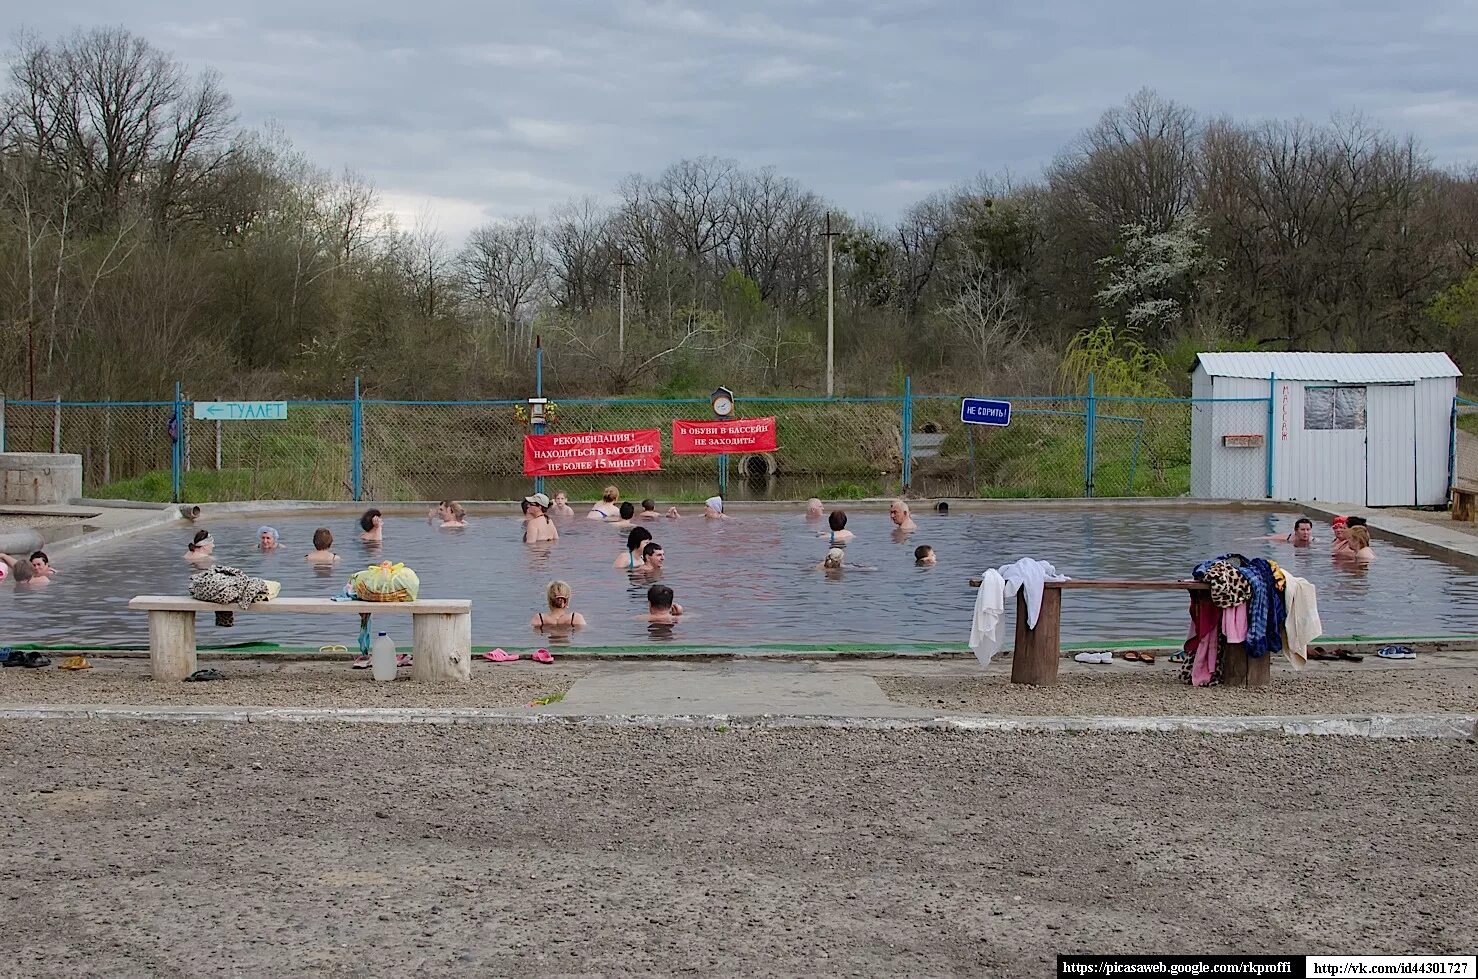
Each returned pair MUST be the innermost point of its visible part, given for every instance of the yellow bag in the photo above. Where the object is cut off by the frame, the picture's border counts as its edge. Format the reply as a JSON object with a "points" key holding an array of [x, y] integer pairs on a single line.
{"points": [[385, 582]]}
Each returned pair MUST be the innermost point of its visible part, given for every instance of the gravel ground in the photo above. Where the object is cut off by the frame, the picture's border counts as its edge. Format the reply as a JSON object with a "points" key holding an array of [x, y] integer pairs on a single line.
{"points": [[268, 684], [1123, 689], [281, 850]]}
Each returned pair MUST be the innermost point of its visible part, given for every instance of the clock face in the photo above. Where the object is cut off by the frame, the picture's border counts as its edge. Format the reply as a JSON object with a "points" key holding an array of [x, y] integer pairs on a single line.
{"points": [[722, 405]]}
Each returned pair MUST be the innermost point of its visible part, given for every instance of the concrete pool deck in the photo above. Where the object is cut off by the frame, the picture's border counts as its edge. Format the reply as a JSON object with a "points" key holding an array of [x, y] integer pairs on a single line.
{"points": [[1435, 695]]}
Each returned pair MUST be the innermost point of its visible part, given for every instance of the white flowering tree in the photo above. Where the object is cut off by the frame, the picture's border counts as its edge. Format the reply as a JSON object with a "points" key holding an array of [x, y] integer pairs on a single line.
{"points": [[1153, 280]]}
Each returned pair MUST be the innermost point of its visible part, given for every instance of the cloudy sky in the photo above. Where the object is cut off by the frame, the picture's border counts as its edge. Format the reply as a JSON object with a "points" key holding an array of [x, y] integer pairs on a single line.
{"points": [[475, 111]]}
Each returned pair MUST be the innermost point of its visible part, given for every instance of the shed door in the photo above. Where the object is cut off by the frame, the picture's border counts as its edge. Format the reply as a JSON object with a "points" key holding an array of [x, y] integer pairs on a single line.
{"points": [[1329, 464], [1390, 445]]}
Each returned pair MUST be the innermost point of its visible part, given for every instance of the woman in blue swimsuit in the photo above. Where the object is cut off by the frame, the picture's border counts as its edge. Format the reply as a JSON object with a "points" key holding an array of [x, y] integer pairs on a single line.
{"points": [[635, 541]]}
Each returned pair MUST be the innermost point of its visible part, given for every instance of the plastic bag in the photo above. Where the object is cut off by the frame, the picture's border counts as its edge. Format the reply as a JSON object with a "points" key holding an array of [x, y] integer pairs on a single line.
{"points": [[385, 582]]}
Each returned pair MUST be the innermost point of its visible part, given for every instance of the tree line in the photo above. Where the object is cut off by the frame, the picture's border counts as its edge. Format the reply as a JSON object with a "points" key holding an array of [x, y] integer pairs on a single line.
{"points": [[146, 236]]}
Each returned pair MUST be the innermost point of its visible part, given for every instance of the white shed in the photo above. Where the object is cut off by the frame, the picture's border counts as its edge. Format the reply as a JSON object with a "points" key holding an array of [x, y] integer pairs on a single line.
{"points": [[1374, 428]]}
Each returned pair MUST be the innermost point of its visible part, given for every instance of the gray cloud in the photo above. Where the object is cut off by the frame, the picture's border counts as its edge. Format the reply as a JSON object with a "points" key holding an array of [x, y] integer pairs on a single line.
{"points": [[485, 111]]}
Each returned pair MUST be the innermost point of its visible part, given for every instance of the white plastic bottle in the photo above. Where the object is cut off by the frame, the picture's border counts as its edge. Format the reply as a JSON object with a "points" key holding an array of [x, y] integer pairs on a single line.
{"points": [[382, 658]]}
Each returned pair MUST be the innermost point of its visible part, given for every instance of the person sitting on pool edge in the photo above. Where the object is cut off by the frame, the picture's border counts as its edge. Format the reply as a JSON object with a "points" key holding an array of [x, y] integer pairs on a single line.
{"points": [[635, 541], [559, 616], [839, 534], [608, 507], [41, 564], [923, 555], [1302, 536], [538, 527], [561, 509], [660, 606], [899, 513], [372, 523], [323, 540], [267, 538]]}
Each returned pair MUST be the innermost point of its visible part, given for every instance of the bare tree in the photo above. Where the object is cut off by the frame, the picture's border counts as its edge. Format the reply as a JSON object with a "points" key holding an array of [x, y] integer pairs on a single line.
{"points": [[985, 312], [506, 270]]}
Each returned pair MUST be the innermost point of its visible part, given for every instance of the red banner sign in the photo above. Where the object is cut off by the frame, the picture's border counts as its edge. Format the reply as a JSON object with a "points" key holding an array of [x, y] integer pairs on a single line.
{"points": [[592, 452], [717, 438]]}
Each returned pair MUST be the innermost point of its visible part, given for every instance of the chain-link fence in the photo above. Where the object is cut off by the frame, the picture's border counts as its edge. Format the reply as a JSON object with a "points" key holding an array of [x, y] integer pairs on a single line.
{"points": [[1465, 443], [833, 448]]}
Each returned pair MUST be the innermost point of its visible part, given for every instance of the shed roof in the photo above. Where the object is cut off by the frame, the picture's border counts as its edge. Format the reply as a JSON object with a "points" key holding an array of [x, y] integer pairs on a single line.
{"points": [[1371, 368]]}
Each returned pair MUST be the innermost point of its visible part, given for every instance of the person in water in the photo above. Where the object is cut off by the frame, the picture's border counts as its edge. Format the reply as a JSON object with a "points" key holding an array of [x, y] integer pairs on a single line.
{"points": [[1340, 528], [1302, 536], [267, 538], [624, 513], [649, 510], [41, 564], [451, 515], [839, 534], [660, 606], [653, 558], [924, 555], [322, 553], [713, 508], [815, 509], [560, 616], [21, 573], [834, 562], [373, 525], [538, 526], [609, 506], [201, 547], [635, 541], [561, 509], [1359, 551], [902, 518]]}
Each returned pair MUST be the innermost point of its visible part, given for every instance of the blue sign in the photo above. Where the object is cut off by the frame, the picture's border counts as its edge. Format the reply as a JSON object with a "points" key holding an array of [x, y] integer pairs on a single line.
{"points": [[983, 411], [241, 411]]}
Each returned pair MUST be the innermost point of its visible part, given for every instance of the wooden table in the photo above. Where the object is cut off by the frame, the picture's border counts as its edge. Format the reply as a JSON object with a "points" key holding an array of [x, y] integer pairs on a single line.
{"points": [[1038, 651], [441, 630]]}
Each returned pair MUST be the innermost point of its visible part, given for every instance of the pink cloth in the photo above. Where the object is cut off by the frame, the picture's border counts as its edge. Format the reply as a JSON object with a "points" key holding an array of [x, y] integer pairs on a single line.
{"points": [[1234, 623], [1201, 643]]}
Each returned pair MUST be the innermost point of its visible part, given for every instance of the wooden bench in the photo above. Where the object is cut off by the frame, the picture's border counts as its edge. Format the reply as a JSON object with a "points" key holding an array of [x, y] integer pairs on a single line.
{"points": [[1037, 652], [441, 630], [1464, 501]]}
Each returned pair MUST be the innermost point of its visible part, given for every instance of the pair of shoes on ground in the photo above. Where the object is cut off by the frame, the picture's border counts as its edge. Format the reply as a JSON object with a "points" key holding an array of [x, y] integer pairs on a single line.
{"points": [[1095, 656], [503, 656], [1396, 652], [1319, 652], [29, 658], [1133, 656], [403, 661]]}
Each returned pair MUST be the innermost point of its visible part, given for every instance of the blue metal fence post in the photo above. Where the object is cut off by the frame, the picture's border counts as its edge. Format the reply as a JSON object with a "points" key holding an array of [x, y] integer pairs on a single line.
{"points": [[907, 431], [356, 447], [176, 453], [539, 393], [1090, 423], [1272, 400], [1451, 446]]}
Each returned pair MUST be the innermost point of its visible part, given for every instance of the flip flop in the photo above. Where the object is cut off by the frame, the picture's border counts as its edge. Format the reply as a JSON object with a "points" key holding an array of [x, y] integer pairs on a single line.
{"points": [[1148, 659], [1180, 656], [1319, 652], [200, 676], [500, 656], [1130, 656], [1348, 656], [403, 661], [542, 656], [31, 659], [74, 663], [361, 662]]}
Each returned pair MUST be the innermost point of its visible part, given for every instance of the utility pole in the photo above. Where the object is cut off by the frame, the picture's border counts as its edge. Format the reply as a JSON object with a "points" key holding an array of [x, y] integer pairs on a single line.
{"points": [[829, 234], [621, 314]]}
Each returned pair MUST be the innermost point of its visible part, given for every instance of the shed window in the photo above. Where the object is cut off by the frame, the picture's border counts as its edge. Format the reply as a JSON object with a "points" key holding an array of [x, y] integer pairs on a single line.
{"points": [[1334, 409]]}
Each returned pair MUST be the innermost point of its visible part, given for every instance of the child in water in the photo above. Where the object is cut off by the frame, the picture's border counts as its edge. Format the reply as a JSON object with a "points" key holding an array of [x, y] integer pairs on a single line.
{"points": [[924, 554]]}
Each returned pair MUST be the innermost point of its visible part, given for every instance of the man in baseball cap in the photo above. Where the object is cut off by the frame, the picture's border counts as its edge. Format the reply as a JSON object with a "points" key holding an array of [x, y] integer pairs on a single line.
{"points": [[537, 526]]}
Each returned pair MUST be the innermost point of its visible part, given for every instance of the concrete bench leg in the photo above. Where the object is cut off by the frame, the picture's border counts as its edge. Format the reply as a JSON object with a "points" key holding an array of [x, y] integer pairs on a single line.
{"points": [[443, 647], [1037, 651], [172, 645]]}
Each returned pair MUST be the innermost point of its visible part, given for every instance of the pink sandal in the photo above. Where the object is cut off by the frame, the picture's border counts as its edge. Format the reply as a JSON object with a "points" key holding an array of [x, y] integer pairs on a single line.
{"points": [[542, 656], [499, 656]]}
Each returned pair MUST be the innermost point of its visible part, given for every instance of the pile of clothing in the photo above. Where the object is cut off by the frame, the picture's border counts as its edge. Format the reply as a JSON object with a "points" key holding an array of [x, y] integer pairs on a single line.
{"points": [[1026, 576], [1251, 601], [231, 586]]}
